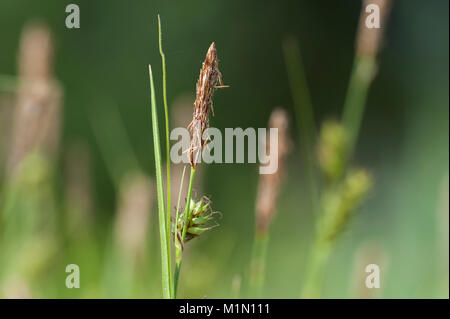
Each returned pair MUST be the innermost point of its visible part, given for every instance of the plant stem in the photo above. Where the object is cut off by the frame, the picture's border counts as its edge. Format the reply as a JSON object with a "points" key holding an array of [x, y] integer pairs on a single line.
{"points": [[360, 80], [178, 249], [304, 115], [315, 269], [178, 203], [166, 114], [258, 263], [165, 257], [180, 245]]}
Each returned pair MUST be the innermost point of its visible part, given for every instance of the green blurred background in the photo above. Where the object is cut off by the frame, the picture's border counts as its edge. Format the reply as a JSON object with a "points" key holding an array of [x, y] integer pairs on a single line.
{"points": [[403, 141]]}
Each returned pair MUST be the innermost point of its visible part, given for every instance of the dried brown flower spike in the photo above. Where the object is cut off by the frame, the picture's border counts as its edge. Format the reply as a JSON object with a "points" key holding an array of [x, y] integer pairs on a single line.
{"points": [[207, 82]]}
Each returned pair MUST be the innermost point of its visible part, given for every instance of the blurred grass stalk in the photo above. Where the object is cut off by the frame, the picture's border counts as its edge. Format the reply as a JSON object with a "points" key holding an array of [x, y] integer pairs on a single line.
{"points": [[340, 198], [368, 43], [266, 201], [338, 204], [129, 235], [363, 71], [304, 115], [127, 242], [28, 216]]}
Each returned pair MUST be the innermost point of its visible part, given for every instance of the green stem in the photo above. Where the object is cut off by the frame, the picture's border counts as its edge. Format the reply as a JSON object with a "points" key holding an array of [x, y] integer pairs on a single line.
{"points": [[304, 115], [179, 245], [166, 114], [315, 269], [258, 263], [178, 203], [165, 259], [360, 80], [178, 249]]}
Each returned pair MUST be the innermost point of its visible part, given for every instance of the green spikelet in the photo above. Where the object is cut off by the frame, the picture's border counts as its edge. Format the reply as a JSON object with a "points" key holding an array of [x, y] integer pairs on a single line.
{"points": [[341, 202], [332, 150], [199, 220]]}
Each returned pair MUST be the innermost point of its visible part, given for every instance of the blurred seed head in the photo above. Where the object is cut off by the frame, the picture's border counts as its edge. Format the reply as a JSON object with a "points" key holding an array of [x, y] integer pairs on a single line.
{"points": [[369, 252], [332, 149], [339, 203], [269, 184], [36, 118], [16, 288], [369, 40], [36, 53], [131, 225]]}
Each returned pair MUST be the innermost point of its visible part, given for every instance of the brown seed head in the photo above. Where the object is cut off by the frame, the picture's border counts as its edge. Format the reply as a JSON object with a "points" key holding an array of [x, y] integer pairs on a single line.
{"points": [[207, 82]]}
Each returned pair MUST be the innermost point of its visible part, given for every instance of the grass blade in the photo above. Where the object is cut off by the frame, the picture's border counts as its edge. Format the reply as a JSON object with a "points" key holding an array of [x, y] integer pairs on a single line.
{"points": [[304, 115], [166, 115], [165, 260]]}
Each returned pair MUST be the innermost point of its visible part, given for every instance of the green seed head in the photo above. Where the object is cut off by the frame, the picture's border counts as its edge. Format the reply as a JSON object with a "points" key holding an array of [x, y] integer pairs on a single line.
{"points": [[341, 202], [332, 149], [200, 218]]}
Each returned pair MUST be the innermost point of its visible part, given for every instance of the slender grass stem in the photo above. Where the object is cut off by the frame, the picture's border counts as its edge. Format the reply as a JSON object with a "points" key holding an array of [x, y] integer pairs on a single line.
{"points": [[178, 249], [179, 245], [166, 114], [360, 80], [304, 115], [315, 270], [258, 263], [187, 210], [178, 202], [165, 257]]}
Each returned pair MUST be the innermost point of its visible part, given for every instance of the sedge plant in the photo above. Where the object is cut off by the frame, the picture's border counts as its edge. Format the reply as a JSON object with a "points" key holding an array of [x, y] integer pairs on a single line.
{"points": [[197, 215]]}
